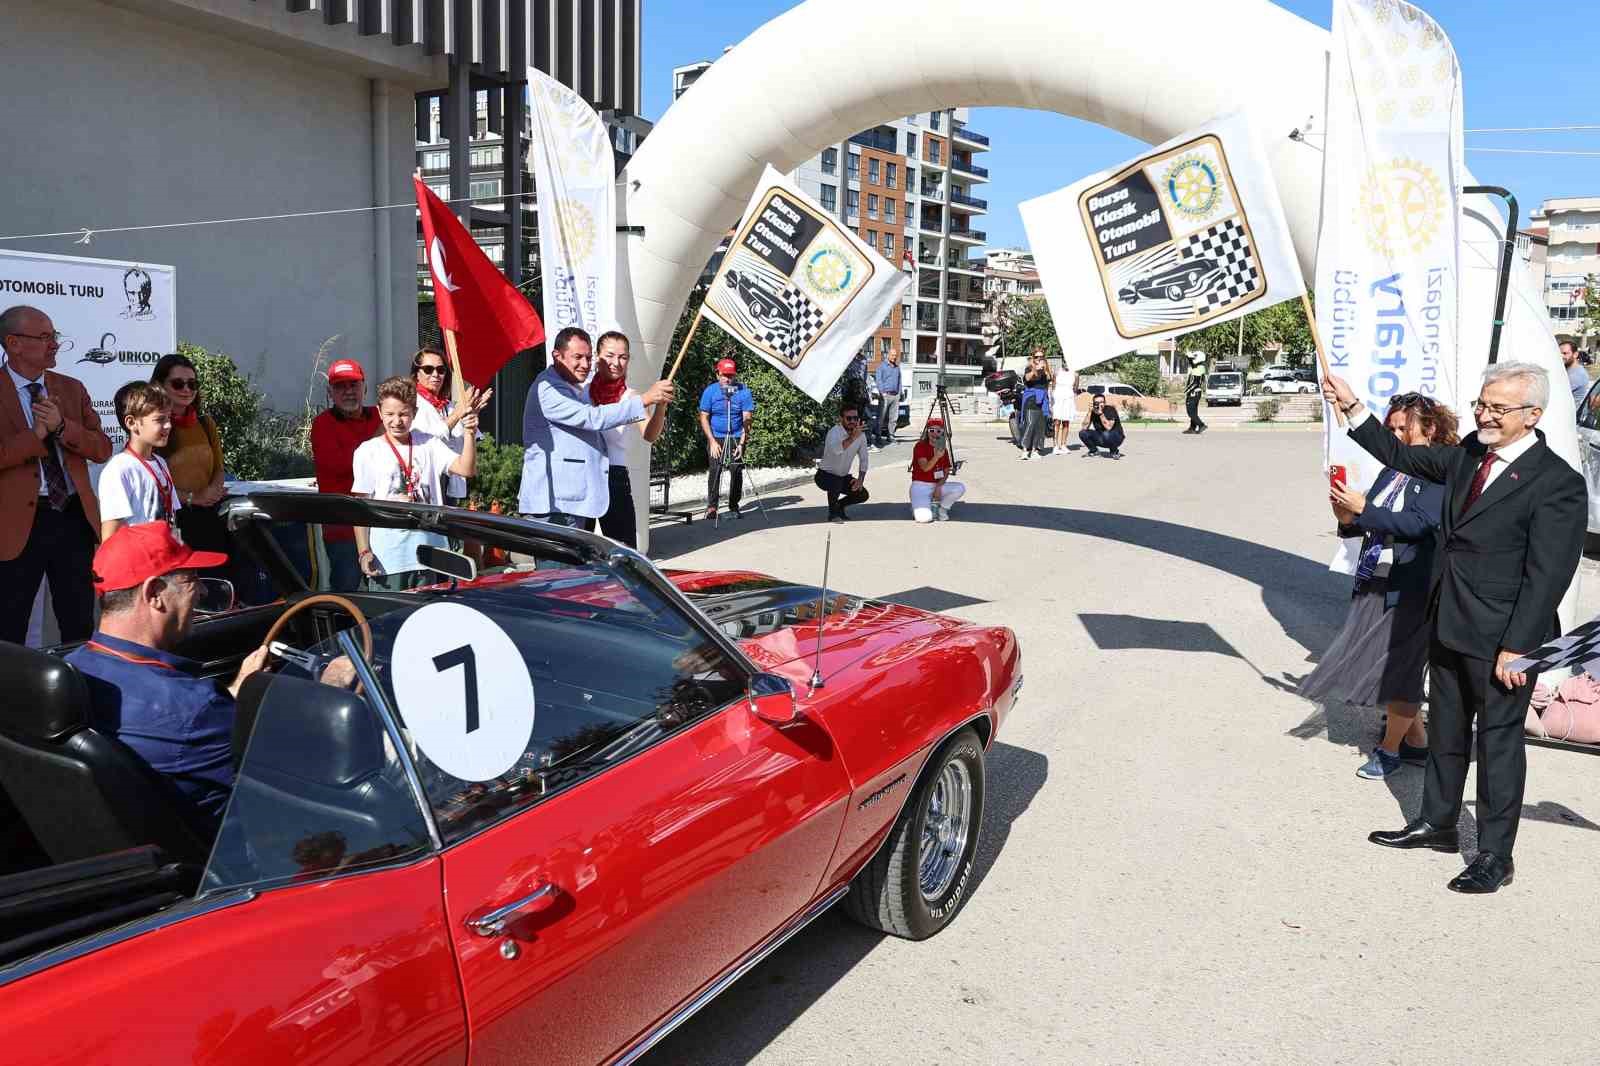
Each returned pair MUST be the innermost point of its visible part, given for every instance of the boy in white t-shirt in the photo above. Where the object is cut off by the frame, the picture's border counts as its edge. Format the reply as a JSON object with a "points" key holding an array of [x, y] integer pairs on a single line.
{"points": [[405, 465], [136, 486]]}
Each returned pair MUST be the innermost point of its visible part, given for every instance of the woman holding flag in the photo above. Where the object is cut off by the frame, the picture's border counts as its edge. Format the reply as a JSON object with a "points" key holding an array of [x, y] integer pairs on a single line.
{"points": [[437, 416]]}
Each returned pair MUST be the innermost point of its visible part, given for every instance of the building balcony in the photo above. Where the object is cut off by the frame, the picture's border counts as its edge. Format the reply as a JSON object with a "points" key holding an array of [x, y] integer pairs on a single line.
{"points": [[972, 203], [882, 141], [962, 133], [931, 226], [933, 164], [975, 236], [966, 167], [931, 192], [968, 266]]}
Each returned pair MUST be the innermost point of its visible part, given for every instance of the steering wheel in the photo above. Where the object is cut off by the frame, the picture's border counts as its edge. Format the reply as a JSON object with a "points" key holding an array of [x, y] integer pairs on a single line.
{"points": [[326, 599]]}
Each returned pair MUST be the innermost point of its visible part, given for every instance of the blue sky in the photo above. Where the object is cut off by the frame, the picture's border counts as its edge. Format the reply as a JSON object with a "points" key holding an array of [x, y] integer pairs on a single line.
{"points": [[1510, 53]]}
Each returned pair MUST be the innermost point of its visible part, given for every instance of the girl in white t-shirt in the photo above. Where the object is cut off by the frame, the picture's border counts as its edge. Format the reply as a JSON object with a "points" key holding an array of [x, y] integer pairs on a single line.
{"points": [[136, 486], [405, 465]]}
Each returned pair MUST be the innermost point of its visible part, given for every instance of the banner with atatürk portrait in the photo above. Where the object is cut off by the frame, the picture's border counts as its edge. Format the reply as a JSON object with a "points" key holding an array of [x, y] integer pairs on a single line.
{"points": [[800, 290], [1190, 234]]}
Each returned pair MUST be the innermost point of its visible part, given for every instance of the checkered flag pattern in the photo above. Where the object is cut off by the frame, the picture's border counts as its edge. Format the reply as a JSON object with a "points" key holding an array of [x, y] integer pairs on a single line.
{"points": [[808, 320], [1227, 245], [1579, 649]]}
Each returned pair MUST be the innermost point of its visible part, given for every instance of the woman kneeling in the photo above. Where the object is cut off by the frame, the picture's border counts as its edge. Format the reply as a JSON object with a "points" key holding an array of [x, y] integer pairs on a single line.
{"points": [[932, 491]]}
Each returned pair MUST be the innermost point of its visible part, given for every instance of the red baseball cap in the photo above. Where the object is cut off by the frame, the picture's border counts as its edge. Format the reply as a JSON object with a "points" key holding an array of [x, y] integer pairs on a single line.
{"points": [[133, 554], [935, 420], [345, 370], [727, 366]]}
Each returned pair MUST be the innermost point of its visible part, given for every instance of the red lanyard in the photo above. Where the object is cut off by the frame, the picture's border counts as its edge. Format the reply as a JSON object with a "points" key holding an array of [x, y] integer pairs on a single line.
{"points": [[163, 488], [127, 657], [405, 469]]}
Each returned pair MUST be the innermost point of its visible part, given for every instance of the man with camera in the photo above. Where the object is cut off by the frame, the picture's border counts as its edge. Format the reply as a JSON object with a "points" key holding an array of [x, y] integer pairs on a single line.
{"points": [[726, 408]]}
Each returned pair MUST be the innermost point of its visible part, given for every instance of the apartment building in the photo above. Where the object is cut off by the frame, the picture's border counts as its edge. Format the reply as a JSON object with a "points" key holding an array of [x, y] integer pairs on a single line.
{"points": [[1571, 225]]}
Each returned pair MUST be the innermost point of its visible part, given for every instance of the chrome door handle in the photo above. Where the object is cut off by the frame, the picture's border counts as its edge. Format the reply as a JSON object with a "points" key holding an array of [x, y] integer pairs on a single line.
{"points": [[494, 923]]}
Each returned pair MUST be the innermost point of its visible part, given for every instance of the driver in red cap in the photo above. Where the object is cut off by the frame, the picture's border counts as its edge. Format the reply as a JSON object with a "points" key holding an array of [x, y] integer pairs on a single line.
{"points": [[726, 408], [155, 702]]}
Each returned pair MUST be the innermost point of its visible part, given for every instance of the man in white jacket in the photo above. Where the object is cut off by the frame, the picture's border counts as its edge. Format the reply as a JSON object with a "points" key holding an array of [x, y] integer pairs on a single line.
{"points": [[845, 443]]}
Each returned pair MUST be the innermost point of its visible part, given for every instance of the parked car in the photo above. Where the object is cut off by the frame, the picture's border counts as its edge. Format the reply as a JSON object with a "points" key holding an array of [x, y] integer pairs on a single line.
{"points": [[1285, 381], [1225, 389], [1589, 450], [572, 798], [875, 404], [1113, 389]]}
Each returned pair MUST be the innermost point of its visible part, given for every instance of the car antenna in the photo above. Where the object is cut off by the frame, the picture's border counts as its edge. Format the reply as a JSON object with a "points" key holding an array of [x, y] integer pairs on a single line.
{"points": [[822, 606]]}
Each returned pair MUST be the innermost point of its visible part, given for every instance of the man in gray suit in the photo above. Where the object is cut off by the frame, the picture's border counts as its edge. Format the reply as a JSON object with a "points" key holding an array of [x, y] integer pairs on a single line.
{"points": [[564, 468]]}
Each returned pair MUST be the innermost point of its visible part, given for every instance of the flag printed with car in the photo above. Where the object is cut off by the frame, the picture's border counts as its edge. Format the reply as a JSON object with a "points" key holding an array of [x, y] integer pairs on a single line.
{"points": [[1187, 235], [798, 289]]}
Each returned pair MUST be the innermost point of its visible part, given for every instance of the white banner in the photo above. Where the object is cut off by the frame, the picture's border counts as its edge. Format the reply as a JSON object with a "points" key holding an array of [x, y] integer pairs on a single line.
{"points": [[116, 319], [1187, 235], [1388, 266], [800, 290], [575, 183]]}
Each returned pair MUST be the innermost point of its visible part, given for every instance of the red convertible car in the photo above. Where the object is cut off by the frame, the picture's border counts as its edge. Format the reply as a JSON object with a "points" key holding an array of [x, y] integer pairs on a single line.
{"points": [[567, 800]]}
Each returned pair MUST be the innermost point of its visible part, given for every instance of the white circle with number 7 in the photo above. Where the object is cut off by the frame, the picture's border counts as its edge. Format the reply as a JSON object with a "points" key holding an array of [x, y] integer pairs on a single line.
{"points": [[464, 691]]}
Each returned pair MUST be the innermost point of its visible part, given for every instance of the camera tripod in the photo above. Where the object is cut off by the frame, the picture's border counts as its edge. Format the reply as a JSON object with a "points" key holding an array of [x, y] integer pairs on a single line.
{"points": [[941, 407], [733, 462]]}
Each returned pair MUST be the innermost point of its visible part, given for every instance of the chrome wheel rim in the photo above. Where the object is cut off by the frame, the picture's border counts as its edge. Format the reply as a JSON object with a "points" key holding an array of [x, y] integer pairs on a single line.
{"points": [[946, 824]]}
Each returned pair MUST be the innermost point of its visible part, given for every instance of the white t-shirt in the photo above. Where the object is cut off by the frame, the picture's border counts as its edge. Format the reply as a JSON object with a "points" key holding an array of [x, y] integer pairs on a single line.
{"points": [[380, 475], [616, 437], [128, 491]]}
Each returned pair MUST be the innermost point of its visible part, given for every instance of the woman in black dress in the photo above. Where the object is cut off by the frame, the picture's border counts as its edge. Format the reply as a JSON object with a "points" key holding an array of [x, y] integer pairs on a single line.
{"points": [[1036, 383]]}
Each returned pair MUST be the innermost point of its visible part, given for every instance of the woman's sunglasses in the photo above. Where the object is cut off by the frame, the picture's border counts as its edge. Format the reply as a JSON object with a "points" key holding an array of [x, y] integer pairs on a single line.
{"points": [[429, 368], [1413, 399], [183, 384]]}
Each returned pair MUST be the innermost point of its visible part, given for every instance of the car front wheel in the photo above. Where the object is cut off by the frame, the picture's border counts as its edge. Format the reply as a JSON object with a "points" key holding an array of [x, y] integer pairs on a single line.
{"points": [[919, 879]]}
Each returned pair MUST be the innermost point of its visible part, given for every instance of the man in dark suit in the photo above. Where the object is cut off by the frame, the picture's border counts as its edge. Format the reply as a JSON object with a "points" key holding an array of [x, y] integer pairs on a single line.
{"points": [[1511, 534], [49, 517]]}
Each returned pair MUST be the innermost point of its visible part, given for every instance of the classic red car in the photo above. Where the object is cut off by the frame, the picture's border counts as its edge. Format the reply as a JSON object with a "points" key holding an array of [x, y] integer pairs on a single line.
{"points": [[568, 801]]}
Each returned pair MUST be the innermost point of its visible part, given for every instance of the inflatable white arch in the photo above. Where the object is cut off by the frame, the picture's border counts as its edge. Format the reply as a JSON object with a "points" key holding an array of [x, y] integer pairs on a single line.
{"points": [[827, 69]]}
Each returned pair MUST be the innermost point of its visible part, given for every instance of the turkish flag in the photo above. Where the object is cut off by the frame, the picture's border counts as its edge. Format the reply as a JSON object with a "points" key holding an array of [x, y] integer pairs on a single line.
{"points": [[492, 321]]}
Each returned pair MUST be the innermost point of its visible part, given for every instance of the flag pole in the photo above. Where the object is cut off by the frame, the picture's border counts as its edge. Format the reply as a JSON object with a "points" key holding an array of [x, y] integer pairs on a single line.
{"points": [[686, 339], [458, 388], [1322, 356]]}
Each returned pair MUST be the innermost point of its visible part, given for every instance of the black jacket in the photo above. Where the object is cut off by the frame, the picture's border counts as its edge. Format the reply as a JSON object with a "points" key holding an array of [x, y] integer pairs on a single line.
{"points": [[1503, 567], [1412, 532]]}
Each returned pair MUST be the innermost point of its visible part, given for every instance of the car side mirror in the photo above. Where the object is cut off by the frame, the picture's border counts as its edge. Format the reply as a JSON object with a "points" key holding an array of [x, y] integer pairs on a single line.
{"points": [[772, 700]]}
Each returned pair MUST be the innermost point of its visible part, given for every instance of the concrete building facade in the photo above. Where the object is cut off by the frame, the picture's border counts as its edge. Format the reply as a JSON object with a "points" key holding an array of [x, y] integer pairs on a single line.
{"points": [[1571, 225]]}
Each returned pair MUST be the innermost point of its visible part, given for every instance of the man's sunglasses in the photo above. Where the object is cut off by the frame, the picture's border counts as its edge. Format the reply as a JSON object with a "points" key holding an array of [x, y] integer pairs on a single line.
{"points": [[850, 418]]}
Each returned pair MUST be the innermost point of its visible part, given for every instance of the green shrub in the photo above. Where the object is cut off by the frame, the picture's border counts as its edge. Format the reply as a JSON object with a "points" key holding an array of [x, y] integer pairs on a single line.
{"points": [[258, 444], [1144, 375], [499, 475], [1135, 410], [1267, 410], [786, 423]]}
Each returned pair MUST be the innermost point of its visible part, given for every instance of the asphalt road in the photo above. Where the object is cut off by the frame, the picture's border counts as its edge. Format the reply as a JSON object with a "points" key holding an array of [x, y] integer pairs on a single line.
{"points": [[1174, 865]]}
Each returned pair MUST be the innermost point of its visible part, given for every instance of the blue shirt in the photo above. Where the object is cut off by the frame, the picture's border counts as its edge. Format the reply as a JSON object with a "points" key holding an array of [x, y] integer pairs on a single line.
{"points": [[159, 705], [724, 410], [888, 377]]}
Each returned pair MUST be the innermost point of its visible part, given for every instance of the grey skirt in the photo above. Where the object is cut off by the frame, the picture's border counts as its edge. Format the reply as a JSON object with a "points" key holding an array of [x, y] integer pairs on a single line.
{"points": [[1378, 657]]}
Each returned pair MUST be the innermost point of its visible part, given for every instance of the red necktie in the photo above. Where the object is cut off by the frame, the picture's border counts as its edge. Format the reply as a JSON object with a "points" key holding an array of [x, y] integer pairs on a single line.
{"points": [[1479, 479]]}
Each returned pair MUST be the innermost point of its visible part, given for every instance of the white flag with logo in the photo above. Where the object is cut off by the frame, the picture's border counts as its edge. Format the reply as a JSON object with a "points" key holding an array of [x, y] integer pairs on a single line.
{"points": [[1388, 255], [575, 179], [800, 290], [1189, 234]]}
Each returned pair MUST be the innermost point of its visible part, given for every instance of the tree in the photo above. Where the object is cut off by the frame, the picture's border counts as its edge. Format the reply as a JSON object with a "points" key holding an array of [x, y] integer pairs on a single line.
{"points": [[1283, 323], [1030, 326], [1589, 322]]}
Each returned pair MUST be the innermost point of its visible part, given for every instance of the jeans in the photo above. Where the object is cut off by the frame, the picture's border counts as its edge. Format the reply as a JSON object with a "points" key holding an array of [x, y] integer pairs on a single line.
{"points": [[344, 567], [1110, 439], [735, 468], [619, 522], [840, 495], [888, 414]]}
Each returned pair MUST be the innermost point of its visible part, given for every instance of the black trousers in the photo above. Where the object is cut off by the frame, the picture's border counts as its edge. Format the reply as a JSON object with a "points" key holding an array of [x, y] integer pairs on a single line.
{"points": [[1192, 404], [735, 468], [1463, 689], [561, 518], [1110, 439], [619, 522], [840, 496], [61, 547]]}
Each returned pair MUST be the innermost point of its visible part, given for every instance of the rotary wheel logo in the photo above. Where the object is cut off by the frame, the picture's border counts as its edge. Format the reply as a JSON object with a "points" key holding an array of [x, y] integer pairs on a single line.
{"points": [[828, 272], [1403, 204], [1192, 186], [577, 228]]}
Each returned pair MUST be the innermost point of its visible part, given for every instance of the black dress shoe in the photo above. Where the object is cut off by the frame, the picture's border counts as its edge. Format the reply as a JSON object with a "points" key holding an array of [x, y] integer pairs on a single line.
{"points": [[1418, 834], [1483, 875]]}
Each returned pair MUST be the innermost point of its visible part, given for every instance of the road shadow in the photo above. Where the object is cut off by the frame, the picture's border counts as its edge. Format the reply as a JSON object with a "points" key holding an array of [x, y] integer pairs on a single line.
{"points": [[735, 1027], [1303, 597]]}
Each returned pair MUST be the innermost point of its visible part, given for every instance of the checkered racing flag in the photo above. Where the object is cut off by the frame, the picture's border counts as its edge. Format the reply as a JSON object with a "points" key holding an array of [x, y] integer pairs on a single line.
{"points": [[808, 320], [1579, 649], [1227, 245]]}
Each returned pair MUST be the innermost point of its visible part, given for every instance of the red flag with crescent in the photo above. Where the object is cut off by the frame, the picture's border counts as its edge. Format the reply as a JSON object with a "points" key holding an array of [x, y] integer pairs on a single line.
{"points": [[492, 321]]}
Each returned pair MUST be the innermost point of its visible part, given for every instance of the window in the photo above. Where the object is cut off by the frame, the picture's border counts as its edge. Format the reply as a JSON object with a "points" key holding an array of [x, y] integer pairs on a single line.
{"points": [[872, 205], [911, 150], [888, 243], [872, 172], [435, 160], [933, 151], [1589, 409], [441, 189], [889, 172], [488, 156], [911, 178], [852, 202], [488, 187], [934, 118], [905, 347], [830, 160], [852, 165], [888, 209], [883, 345], [829, 197]]}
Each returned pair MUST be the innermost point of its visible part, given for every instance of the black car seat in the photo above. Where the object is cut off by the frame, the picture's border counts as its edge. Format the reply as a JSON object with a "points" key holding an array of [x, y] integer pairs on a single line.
{"points": [[317, 788], [82, 792]]}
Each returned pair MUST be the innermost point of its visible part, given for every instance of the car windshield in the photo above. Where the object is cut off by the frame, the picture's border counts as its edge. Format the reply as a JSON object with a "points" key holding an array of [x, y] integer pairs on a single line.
{"points": [[505, 690], [1224, 380]]}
